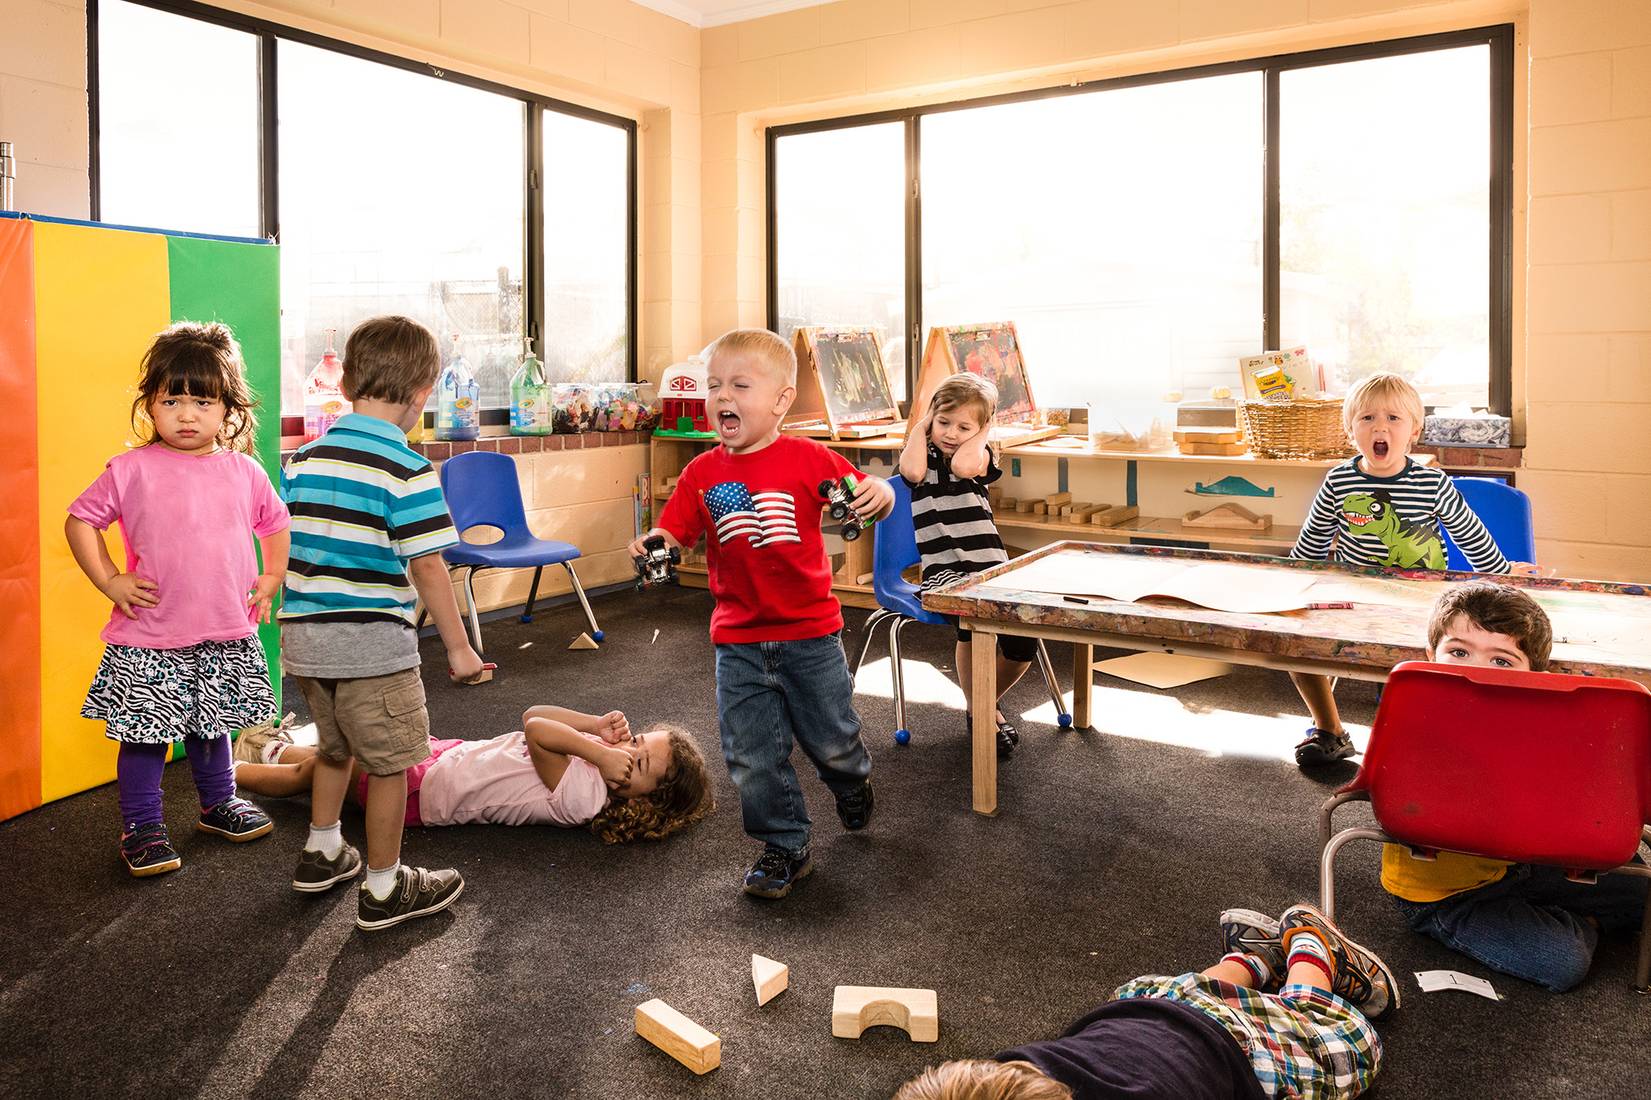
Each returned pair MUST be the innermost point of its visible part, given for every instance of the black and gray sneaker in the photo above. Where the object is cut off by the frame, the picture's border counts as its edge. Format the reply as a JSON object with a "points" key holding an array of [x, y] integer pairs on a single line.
{"points": [[417, 893], [1321, 747], [147, 850], [237, 819], [316, 872], [1360, 975], [854, 808], [774, 873], [1247, 932]]}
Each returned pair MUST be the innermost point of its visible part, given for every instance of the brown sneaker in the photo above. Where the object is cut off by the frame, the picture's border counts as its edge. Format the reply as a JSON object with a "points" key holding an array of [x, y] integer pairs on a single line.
{"points": [[316, 872], [417, 893]]}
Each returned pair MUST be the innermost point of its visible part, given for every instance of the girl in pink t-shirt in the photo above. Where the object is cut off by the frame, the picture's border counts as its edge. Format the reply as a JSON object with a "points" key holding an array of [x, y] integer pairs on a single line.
{"points": [[562, 768], [181, 658]]}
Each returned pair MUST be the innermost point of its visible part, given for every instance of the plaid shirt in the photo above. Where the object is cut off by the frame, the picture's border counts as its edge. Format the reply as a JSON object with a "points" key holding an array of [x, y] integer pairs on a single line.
{"points": [[1302, 1042]]}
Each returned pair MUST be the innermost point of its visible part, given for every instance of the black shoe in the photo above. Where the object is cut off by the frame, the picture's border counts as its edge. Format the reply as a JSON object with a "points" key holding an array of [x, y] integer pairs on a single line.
{"points": [[854, 808], [147, 850], [1008, 740], [775, 871], [316, 872], [237, 819], [417, 893], [1321, 747]]}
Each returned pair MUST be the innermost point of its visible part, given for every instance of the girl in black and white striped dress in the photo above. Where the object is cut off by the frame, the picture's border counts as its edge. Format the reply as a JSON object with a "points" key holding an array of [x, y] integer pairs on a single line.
{"points": [[948, 463]]}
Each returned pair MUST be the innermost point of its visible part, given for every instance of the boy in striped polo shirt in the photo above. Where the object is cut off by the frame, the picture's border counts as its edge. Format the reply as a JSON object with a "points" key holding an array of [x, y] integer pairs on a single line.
{"points": [[367, 513], [1381, 508]]}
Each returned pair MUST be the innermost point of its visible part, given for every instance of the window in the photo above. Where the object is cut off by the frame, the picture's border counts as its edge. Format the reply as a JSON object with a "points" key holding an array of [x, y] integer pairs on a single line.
{"points": [[1385, 218], [1146, 232], [844, 256], [390, 185], [178, 122]]}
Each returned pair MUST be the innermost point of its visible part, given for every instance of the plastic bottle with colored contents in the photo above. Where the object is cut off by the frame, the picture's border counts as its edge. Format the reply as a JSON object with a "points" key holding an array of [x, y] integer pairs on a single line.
{"points": [[324, 400], [458, 412], [530, 396]]}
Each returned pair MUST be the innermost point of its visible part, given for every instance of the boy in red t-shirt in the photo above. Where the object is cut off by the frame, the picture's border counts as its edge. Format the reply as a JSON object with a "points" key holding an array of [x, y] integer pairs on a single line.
{"points": [[781, 673]]}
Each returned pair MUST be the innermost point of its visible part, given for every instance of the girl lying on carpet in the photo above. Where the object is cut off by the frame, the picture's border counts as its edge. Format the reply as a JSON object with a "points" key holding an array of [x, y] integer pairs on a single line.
{"points": [[562, 768]]}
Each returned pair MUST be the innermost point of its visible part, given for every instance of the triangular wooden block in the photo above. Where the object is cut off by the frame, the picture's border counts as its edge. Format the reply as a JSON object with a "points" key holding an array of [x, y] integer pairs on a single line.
{"points": [[584, 641], [771, 978]]}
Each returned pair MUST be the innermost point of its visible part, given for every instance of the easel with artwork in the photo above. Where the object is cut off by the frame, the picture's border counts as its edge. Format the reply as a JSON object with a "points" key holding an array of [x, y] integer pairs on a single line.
{"points": [[993, 352], [842, 386]]}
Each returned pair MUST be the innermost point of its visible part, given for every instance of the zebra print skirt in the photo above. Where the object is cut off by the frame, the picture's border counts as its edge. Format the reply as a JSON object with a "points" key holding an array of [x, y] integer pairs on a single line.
{"points": [[155, 696]]}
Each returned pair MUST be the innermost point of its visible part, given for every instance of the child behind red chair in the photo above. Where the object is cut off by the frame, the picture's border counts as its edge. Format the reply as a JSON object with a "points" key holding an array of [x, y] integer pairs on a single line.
{"points": [[1528, 921]]}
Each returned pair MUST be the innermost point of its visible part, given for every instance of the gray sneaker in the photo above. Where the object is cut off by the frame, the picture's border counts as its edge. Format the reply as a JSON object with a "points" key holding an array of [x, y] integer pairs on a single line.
{"points": [[1247, 932], [316, 872], [418, 893]]}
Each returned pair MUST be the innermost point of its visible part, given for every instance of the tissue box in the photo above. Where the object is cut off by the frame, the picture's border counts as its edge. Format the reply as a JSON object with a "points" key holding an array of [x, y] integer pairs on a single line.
{"points": [[1476, 430]]}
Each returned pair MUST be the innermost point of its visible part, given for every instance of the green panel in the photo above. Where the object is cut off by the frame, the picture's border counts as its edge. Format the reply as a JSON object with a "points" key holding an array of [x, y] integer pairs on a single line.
{"points": [[240, 285]]}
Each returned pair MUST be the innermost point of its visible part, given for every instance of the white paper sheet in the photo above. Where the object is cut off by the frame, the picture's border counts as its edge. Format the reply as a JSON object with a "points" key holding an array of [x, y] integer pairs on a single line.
{"points": [[1221, 586], [1432, 981]]}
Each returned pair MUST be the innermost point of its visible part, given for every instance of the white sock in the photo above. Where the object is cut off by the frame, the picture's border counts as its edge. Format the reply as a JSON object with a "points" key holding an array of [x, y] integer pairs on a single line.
{"points": [[271, 753], [326, 839], [380, 883]]}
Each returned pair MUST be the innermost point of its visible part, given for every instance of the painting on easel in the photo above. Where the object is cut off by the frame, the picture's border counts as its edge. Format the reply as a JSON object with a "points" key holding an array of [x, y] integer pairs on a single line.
{"points": [[842, 386], [993, 352]]}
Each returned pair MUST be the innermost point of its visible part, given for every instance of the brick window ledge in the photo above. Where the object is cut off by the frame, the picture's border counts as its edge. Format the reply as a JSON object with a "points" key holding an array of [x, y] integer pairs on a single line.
{"points": [[1460, 458], [511, 444]]}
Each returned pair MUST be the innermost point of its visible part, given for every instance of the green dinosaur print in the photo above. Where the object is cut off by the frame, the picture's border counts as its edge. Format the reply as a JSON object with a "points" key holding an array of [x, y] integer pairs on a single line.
{"points": [[1409, 545]]}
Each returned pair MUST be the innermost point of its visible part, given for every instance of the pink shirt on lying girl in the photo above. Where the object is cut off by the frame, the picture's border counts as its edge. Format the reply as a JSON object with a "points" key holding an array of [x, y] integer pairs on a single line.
{"points": [[493, 782], [188, 523]]}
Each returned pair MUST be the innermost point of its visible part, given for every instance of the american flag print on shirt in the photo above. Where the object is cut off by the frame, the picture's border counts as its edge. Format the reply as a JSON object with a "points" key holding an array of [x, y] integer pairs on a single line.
{"points": [[761, 517]]}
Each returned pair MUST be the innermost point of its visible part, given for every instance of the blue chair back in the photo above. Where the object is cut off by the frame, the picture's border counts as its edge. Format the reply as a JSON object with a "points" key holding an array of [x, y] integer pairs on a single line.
{"points": [[482, 491], [895, 552], [1506, 514]]}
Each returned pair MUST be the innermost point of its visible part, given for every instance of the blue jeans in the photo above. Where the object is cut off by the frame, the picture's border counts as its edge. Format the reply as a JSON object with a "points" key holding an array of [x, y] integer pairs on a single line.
{"points": [[769, 695], [1529, 923]]}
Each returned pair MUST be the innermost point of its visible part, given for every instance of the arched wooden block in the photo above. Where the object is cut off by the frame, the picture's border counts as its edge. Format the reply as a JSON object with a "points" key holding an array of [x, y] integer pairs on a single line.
{"points": [[857, 1007]]}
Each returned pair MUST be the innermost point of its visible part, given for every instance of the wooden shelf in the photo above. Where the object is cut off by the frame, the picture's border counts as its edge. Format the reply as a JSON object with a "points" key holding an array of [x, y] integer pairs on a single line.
{"points": [[1280, 537]]}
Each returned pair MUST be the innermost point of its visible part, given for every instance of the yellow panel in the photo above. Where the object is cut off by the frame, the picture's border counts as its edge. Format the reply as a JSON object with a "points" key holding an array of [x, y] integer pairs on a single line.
{"points": [[101, 295]]}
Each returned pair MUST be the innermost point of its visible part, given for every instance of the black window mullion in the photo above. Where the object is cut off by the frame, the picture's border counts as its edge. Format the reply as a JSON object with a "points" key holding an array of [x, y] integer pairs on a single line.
{"points": [[914, 254], [269, 144], [95, 199], [1270, 252], [772, 276], [630, 254], [533, 277], [1501, 222]]}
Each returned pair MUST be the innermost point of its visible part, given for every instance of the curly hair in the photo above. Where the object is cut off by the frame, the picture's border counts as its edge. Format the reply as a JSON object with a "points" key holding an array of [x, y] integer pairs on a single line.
{"points": [[682, 798], [975, 1079], [200, 360]]}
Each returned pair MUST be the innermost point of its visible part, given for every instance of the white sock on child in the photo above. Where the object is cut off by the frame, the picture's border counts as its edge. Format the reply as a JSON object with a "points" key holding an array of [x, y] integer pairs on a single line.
{"points": [[380, 883], [326, 839]]}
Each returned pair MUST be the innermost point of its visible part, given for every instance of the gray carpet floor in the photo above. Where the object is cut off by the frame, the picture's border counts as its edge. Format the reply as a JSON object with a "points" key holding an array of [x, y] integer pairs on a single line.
{"points": [[1111, 856]]}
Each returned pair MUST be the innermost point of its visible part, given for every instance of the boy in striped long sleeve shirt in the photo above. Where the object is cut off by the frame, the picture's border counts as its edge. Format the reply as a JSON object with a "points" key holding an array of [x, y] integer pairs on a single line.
{"points": [[367, 512], [1381, 508]]}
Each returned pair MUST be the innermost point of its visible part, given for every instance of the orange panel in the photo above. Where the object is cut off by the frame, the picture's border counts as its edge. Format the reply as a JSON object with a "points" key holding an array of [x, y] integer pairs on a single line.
{"points": [[19, 529]]}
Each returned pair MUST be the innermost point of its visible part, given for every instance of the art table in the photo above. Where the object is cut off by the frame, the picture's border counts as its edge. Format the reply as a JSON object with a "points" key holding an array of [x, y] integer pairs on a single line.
{"points": [[1068, 591]]}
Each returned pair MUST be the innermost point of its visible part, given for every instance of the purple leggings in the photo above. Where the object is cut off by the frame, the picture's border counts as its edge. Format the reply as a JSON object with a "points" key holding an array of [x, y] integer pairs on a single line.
{"points": [[138, 774]]}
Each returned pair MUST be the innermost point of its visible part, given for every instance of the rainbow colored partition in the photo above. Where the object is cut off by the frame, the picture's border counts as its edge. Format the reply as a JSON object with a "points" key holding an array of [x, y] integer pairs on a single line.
{"points": [[79, 303]]}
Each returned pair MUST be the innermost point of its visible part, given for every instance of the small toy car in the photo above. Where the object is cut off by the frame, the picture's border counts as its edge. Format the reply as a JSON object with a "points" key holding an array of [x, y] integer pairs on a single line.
{"points": [[657, 564], [837, 495]]}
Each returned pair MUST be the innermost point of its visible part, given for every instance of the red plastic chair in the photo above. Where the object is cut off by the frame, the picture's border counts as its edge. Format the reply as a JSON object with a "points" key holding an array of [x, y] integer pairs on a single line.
{"points": [[1529, 767]]}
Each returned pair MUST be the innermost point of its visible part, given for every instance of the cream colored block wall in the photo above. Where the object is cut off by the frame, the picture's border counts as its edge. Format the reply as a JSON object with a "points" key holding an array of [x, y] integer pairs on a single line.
{"points": [[582, 497], [1582, 165], [43, 109]]}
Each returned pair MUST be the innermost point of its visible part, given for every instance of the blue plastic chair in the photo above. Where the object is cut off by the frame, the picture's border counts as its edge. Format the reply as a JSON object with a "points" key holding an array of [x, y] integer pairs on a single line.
{"points": [[894, 552], [1506, 514], [482, 491]]}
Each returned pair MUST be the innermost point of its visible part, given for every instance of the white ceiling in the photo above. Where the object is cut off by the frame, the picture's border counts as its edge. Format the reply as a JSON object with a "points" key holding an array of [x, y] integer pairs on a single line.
{"points": [[714, 13]]}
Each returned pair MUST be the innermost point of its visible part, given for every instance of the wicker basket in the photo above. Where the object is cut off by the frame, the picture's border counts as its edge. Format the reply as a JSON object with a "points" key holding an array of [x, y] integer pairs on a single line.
{"points": [[1307, 428]]}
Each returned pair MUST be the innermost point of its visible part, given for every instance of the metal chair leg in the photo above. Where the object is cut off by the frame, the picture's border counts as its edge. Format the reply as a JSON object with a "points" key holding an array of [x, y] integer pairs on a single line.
{"points": [[475, 616], [902, 735], [579, 590], [1062, 718], [871, 628], [1327, 864], [532, 591]]}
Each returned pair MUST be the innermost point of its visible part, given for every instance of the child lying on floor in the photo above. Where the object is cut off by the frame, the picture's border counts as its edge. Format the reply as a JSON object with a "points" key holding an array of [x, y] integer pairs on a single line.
{"points": [[1285, 1013], [562, 767]]}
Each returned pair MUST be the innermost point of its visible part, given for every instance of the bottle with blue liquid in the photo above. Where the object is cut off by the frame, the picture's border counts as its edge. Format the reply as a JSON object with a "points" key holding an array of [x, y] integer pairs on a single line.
{"points": [[458, 401]]}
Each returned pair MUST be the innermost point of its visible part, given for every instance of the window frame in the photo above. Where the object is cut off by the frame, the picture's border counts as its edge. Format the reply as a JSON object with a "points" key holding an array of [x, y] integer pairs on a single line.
{"points": [[1498, 38], [269, 32]]}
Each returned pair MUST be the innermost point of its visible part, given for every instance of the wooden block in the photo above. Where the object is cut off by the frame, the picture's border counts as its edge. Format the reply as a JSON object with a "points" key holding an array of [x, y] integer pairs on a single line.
{"points": [[1082, 512], [1055, 500], [1024, 507], [771, 978], [584, 641], [1229, 516], [1214, 448], [1005, 504], [1208, 435], [678, 1036], [857, 1007], [1039, 508], [1066, 511], [1114, 515]]}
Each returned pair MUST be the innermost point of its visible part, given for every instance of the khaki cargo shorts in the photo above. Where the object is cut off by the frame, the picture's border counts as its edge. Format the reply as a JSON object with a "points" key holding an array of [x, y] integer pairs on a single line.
{"points": [[379, 720]]}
